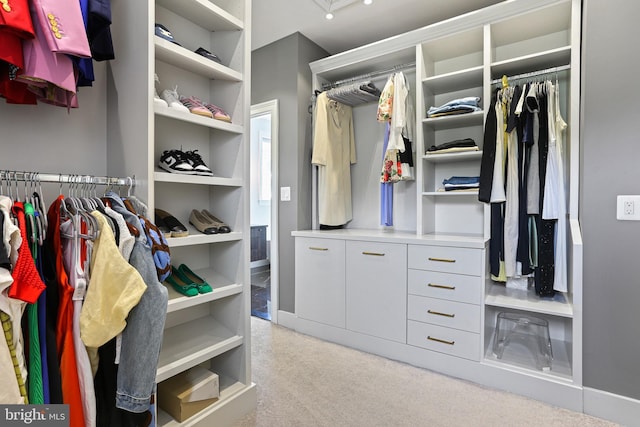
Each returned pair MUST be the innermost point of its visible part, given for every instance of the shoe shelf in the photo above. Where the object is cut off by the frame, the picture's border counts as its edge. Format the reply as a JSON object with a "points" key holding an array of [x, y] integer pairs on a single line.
{"points": [[172, 113], [204, 14], [196, 179], [454, 121], [501, 296], [197, 238], [229, 388], [177, 301], [452, 157], [185, 59], [189, 344]]}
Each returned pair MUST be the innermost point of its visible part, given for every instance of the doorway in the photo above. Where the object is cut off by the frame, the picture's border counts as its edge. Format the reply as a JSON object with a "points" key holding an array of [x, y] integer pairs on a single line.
{"points": [[264, 210]]}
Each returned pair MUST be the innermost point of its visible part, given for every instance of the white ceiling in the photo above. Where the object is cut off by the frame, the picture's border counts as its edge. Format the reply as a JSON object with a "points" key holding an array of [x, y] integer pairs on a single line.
{"points": [[354, 24]]}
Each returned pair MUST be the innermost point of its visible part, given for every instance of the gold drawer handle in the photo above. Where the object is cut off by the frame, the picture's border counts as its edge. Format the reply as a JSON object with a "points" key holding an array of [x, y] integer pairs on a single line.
{"points": [[372, 253], [441, 314], [442, 341], [433, 285], [441, 259], [313, 248]]}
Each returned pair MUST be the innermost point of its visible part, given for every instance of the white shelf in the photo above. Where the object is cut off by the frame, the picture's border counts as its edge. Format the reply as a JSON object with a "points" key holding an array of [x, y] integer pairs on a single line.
{"points": [[533, 62], [177, 301], [191, 343], [451, 193], [177, 178], [454, 121], [518, 358], [183, 58], [453, 157], [228, 389], [197, 238], [172, 113], [454, 81], [501, 296], [203, 13]]}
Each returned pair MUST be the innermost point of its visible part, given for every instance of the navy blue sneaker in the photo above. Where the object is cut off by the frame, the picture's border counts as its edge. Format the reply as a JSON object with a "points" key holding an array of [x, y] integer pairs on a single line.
{"points": [[204, 52], [164, 33]]}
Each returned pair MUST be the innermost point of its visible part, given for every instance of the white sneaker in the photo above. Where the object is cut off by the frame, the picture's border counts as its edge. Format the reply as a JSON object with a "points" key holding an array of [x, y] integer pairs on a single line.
{"points": [[173, 99], [156, 98]]}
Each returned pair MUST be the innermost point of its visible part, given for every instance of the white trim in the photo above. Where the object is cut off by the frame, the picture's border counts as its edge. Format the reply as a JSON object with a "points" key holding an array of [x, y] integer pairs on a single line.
{"points": [[288, 320], [613, 407], [271, 107]]}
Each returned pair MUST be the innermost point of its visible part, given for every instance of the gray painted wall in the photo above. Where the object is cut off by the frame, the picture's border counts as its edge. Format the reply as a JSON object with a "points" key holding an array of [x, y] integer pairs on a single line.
{"points": [[610, 166], [281, 71]]}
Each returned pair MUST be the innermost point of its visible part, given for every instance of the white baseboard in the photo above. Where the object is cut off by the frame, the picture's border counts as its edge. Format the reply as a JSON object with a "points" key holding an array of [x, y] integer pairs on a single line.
{"points": [[613, 407], [286, 319]]}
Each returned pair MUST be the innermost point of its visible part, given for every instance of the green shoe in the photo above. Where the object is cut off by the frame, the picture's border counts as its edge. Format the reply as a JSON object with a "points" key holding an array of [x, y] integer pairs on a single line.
{"points": [[187, 275], [185, 287]]}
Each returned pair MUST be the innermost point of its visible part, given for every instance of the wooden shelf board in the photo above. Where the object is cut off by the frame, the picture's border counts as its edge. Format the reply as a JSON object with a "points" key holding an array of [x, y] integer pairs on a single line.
{"points": [[453, 157], [222, 288], [178, 178], [204, 14], [171, 113], [501, 296], [534, 62], [454, 81], [454, 121], [197, 238]]}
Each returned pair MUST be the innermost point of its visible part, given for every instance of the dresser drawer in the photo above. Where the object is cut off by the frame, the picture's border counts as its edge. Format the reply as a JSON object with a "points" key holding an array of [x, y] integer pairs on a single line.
{"points": [[453, 287], [444, 313], [446, 259], [444, 340]]}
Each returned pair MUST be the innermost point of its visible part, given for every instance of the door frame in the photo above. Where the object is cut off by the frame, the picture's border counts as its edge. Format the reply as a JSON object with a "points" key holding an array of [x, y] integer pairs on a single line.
{"points": [[263, 108]]}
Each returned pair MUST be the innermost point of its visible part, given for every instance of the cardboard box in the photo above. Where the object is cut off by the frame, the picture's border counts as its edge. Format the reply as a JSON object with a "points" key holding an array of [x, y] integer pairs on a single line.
{"points": [[188, 393]]}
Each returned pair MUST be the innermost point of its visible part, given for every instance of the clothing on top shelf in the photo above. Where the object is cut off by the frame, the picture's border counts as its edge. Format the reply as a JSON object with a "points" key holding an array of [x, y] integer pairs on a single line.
{"points": [[522, 176], [464, 105]]}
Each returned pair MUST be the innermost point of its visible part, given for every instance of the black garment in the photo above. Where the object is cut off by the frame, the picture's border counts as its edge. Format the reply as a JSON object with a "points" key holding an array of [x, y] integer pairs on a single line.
{"points": [[407, 156], [466, 142], [5, 261], [496, 244], [488, 153], [546, 228], [50, 279], [331, 227]]}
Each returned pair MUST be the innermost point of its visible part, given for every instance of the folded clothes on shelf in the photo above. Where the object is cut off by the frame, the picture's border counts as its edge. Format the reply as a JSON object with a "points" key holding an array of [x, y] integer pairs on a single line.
{"points": [[461, 183], [466, 144], [464, 105]]}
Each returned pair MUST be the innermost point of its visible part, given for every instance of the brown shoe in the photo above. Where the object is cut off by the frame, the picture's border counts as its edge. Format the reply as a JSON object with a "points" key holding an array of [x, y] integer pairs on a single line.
{"points": [[202, 223], [222, 227]]}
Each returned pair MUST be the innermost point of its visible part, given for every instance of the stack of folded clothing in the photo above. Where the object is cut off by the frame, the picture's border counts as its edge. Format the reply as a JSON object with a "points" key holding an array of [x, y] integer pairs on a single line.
{"points": [[457, 106], [462, 183], [466, 144]]}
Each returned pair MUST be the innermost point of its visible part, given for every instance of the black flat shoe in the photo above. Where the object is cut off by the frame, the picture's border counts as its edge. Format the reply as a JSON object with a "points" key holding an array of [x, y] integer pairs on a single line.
{"points": [[170, 221]]}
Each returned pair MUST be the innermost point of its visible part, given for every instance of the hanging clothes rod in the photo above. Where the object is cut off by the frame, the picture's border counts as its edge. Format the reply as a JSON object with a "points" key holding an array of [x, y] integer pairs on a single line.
{"points": [[535, 73], [395, 68], [61, 178]]}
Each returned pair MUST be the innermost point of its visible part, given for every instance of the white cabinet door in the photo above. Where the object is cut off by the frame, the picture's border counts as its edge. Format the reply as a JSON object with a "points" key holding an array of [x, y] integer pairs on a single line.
{"points": [[377, 289], [320, 274]]}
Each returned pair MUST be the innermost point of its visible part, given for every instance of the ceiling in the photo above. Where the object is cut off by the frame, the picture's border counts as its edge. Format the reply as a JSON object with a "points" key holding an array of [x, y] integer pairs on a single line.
{"points": [[354, 24]]}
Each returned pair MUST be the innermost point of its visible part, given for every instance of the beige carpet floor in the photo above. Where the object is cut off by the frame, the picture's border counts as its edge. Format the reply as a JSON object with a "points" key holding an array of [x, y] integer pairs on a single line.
{"points": [[303, 381]]}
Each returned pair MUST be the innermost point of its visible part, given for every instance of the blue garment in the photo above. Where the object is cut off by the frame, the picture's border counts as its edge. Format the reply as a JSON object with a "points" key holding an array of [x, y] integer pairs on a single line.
{"points": [[85, 65], [456, 106], [142, 338], [461, 180], [386, 188]]}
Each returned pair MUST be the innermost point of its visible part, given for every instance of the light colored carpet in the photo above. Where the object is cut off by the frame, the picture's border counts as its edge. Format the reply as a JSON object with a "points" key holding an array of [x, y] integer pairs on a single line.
{"points": [[303, 381]]}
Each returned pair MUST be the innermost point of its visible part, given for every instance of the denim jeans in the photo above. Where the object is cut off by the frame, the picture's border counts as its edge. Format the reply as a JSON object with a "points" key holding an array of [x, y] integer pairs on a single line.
{"points": [[142, 337]]}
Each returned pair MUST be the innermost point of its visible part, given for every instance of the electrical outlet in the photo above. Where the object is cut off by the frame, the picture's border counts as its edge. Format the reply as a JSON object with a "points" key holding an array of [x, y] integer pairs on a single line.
{"points": [[285, 194], [628, 208]]}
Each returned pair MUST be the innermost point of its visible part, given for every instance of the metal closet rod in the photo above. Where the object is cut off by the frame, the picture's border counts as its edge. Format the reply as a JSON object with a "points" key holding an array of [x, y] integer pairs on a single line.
{"points": [[395, 68], [535, 73], [62, 178]]}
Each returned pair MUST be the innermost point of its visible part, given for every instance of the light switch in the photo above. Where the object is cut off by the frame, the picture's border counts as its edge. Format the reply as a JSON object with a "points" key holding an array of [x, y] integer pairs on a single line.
{"points": [[285, 194]]}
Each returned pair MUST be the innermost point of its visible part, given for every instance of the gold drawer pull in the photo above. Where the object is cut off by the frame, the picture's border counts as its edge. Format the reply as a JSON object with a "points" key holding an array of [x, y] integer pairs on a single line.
{"points": [[372, 253], [433, 285], [442, 341], [313, 248], [441, 314], [441, 259]]}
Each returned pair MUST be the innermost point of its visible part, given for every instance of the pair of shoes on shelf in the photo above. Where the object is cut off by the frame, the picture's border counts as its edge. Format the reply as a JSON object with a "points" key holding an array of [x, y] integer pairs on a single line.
{"points": [[164, 33], [169, 224], [207, 223], [188, 283], [196, 106], [185, 162]]}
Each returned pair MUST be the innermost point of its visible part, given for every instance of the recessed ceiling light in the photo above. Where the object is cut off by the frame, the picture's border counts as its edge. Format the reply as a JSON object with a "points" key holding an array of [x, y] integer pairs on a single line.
{"points": [[367, 2], [329, 15]]}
